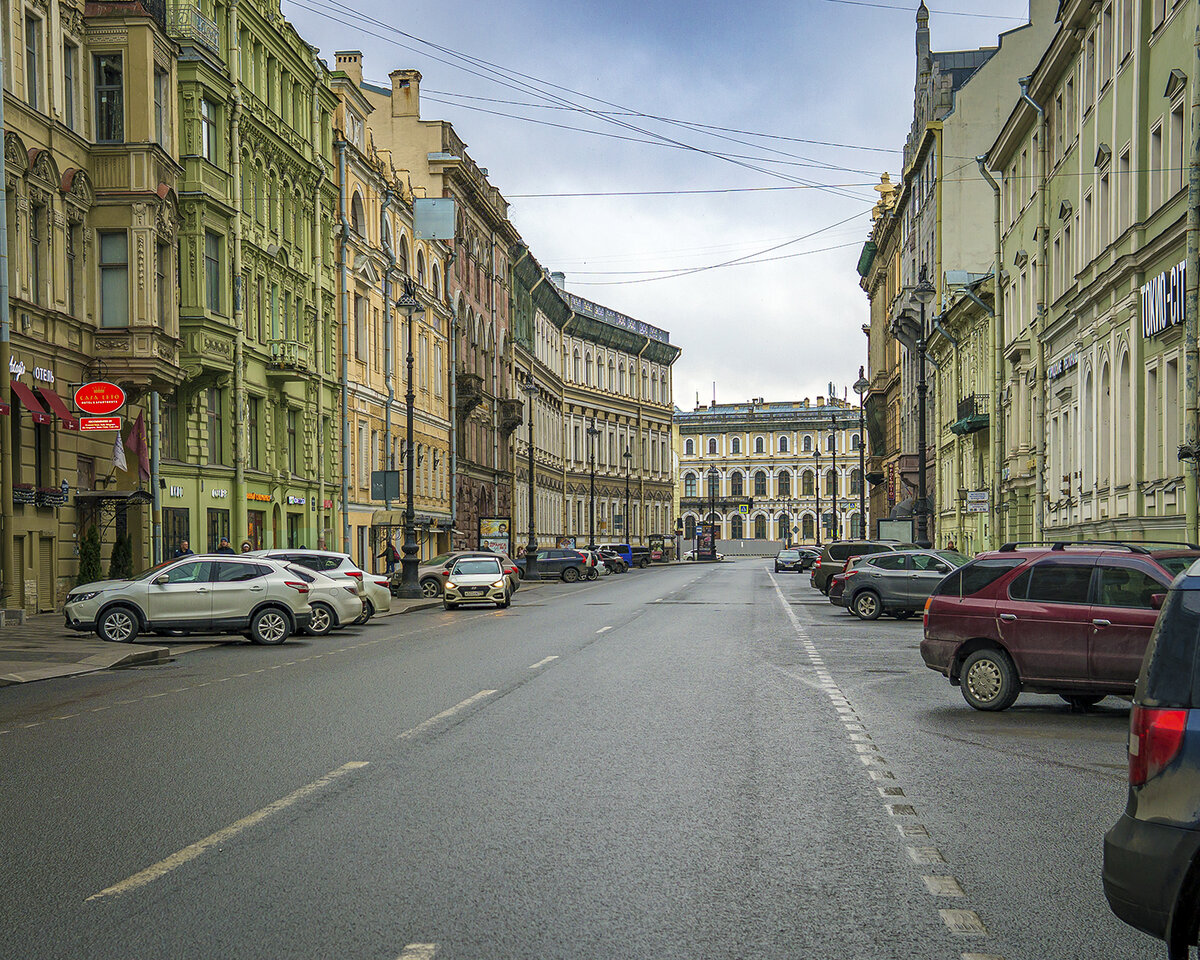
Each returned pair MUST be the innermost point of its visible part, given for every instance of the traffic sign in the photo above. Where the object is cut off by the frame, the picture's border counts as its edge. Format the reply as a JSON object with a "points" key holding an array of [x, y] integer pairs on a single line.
{"points": [[99, 397], [99, 423]]}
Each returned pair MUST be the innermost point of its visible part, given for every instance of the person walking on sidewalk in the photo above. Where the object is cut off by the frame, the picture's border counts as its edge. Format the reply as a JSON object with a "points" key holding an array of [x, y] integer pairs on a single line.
{"points": [[391, 555]]}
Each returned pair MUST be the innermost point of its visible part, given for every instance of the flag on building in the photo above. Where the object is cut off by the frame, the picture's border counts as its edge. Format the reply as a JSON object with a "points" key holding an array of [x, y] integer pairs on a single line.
{"points": [[119, 454], [137, 443]]}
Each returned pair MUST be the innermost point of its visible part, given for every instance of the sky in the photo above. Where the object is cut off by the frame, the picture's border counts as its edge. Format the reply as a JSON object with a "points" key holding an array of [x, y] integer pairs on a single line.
{"points": [[601, 124]]}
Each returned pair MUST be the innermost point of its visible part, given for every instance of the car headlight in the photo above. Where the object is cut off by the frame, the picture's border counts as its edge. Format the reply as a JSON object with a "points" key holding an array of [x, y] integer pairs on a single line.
{"points": [[77, 597], [451, 585], [498, 584]]}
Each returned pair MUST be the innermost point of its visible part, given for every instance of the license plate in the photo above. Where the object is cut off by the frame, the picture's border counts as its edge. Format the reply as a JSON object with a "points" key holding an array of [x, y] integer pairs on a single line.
{"points": [[475, 591]]}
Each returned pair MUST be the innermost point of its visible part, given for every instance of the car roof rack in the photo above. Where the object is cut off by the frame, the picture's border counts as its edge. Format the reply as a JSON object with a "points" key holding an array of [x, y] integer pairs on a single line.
{"points": [[1138, 547]]}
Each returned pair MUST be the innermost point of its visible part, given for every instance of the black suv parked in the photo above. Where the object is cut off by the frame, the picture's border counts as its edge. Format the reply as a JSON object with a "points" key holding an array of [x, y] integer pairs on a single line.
{"points": [[834, 556], [1152, 854]]}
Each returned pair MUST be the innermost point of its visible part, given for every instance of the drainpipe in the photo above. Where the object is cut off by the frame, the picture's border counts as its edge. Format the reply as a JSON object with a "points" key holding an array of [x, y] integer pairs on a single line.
{"points": [[996, 425], [239, 306], [387, 341], [641, 459], [1191, 355], [345, 279], [156, 551], [1039, 410], [495, 380], [7, 567], [319, 331], [452, 372]]}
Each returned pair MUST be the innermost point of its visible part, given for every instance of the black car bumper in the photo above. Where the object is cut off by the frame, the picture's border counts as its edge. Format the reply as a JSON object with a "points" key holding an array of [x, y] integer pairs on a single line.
{"points": [[1145, 864], [81, 625]]}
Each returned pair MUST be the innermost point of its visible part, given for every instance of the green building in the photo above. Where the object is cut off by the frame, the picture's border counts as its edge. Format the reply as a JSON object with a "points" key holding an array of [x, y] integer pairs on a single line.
{"points": [[249, 439]]}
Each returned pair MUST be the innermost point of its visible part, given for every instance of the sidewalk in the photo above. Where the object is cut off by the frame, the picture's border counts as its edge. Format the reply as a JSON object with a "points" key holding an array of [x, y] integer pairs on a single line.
{"points": [[42, 648]]}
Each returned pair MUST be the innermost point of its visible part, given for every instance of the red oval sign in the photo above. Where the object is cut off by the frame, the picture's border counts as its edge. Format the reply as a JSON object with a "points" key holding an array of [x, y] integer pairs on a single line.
{"points": [[99, 397]]}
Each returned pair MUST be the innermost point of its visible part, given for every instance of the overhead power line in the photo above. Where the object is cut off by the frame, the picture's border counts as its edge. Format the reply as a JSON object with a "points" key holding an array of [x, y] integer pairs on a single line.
{"points": [[940, 13]]}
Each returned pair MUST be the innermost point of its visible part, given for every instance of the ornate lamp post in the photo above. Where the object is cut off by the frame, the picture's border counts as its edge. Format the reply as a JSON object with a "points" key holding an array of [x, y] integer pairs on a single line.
{"points": [[410, 587], [531, 547], [923, 293], [593, 432], [860, 387], [817, 458], [837, 524], [714, 477], [627, 457]]}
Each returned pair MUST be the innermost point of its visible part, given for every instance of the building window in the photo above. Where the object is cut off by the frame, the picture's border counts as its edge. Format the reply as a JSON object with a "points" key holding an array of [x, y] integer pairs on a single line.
{"points": [[169, 429], [783, 445], [807, 488], [1156, 162], [293, 451], [808, 444], [360, 327], [212, 271], [110, 99], [689, 448], [216, 439], [70, 72], [760, 528], [162, 121], [760, 484], [208, 130], [785, 484], [735, 527], [37, 217], [758, 445], [736, 488], [253, 414], [162, 282], [689, 485], [114, 279], [712, 444], [735, 445], [33, 60], [72, 243]]}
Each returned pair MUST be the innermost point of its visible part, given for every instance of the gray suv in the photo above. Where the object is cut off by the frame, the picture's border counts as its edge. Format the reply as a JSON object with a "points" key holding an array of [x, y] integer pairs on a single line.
{"points": [[834, 556], [897, 582], [261, 598]]}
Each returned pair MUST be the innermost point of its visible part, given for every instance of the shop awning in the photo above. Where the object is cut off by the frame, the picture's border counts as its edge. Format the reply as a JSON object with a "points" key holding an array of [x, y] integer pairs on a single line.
{"points": [[30, 403], [55, 402]]}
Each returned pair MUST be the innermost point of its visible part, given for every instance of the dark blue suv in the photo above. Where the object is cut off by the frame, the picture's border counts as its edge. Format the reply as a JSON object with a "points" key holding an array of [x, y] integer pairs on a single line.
{"points": [[1152, 854]]}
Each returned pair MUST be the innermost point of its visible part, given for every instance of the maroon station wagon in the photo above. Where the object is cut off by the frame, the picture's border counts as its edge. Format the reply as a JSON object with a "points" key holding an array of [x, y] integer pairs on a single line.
{"points": [[1071, 619]]}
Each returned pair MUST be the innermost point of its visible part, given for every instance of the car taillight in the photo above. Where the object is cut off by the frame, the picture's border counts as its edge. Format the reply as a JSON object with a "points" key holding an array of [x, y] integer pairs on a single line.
{"points": [[349, 588], [382, 583], [298, 585], [510, 571], [356, 574], [849, 573], [925, 615], [445, 573], [817, 563], [1155, 736]]}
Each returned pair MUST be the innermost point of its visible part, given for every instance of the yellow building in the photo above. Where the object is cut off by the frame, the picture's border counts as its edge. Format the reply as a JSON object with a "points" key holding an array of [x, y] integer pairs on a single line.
{"points": [[378, 252]]}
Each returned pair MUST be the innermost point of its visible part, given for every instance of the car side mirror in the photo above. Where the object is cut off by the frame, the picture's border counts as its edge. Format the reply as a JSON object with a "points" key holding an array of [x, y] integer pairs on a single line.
{"points": [[1157, 600], [162, 578]]}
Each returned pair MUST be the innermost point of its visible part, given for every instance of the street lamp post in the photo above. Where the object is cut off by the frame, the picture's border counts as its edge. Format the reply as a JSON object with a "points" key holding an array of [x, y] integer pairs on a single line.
{"points": [[410, 587], [531, 547], [817, 458], [860, 387], [714, 477], [593, 432], [923, 294], [837, 526], [627, 457]]}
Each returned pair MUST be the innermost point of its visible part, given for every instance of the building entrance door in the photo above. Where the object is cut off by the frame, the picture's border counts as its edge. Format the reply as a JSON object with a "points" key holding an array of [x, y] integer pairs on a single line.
{"points": [[256, 522], [293, 531], [176, 529], [218, 527], [46, 596]]}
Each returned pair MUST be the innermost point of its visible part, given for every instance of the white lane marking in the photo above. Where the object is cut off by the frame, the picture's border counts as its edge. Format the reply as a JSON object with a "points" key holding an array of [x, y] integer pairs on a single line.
{"points": [[965, 923], [603, 629], [419, 951], [163, 867], [458, 707], [942, 886], [542, 663]]}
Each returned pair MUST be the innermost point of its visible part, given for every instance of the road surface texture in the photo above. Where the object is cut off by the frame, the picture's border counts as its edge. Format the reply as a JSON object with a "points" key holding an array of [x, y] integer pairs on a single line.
{"points": [[693, 762]]}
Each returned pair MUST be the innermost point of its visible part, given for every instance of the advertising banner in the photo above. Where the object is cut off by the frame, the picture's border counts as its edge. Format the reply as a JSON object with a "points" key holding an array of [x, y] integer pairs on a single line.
{"points": [[495, 534]]}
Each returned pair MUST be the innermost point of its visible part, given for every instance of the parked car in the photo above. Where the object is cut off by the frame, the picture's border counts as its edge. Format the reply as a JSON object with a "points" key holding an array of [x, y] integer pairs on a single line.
{"points": [[614, 561], [834, 555], [623, 550], [432, 572], [896, 583], [1152, 853], [1071, 619], [808, 556], [376, 590], [476, 580], [263, 599], [640, 557], [837, 583], [335, 603], [789, 560], [691, 555], [570, 565]]}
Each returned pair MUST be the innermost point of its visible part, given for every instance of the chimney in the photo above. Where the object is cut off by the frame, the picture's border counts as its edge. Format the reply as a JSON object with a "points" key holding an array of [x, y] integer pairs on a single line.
{"points": [[406, 93], [820, 401], [350, 63], [559, 279]]}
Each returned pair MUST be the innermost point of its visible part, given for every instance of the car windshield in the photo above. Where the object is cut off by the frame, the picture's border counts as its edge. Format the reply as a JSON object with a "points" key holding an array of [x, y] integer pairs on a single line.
{"points": [[1176, 565], [157, 568], [482, 566], [789, 554], [953, 556]]}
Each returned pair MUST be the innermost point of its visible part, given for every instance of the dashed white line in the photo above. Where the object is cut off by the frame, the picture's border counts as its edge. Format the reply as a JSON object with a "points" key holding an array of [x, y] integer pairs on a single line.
{"points": [[446, 714], [542, 663], [603, 629], [419, 951]]}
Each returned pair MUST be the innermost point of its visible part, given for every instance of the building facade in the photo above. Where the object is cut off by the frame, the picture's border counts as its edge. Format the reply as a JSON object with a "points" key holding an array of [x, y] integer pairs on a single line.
{"points": [[91, 175], [772, 472]]}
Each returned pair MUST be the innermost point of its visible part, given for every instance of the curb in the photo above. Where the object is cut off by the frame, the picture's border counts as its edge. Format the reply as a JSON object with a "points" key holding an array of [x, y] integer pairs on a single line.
{"points": [[92, 664]]}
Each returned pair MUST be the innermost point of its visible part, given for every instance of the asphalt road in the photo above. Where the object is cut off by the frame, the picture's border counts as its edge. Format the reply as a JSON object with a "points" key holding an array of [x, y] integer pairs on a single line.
{"points": [[688, 762]]}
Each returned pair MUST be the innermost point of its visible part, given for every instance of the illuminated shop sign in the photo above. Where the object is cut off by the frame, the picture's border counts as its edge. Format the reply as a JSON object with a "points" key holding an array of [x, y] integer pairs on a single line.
{"points": [[1163, 300], [295, 501]]}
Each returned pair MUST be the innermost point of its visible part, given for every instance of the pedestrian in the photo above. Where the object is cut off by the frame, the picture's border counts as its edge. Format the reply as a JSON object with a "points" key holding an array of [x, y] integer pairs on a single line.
{"points": [[184, 550], [247, 546], [950, 544], [391, 555], [225, 547]]}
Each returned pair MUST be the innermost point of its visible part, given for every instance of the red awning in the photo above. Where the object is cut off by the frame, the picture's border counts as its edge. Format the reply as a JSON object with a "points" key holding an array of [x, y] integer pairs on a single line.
{"points": [[30, 403], [55, 402]]}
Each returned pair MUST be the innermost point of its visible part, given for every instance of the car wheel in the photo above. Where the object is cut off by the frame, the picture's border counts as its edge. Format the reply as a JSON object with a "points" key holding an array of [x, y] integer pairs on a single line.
{"points": [[321, 622], [367, 614], [593, 573], [776, 568], [118, 625], [430, 588], [269, 626], [866, 605], [447, 605], [989, 680], [505, 603], [1081, 701], [643, 563], [902, 614], [570, 574]]}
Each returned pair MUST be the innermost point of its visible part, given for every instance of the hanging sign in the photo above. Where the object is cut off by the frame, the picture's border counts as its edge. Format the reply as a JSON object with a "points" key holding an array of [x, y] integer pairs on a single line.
{"points": [[99, 397]]}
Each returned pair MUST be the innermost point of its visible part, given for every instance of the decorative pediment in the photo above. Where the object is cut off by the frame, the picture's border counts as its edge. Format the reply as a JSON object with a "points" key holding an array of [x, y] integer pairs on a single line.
{"points": [[1064, 210], [16, 158], [1176, 81], [1103, 155], [1020, 259], [364, 267]]}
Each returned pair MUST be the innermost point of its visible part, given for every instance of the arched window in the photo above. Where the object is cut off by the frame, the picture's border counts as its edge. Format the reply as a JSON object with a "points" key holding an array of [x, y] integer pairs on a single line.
{"points": [[785, 484], [621, 377], [856, 526], [807, 444], [760, 483], [587, 369], [689, 448], [807, 488], [578, 368], [807, 528], [689, 528], [735, 527], [855, 481], [735, 445], [735, 484], [437, 282], [712, 444], [855, 442], [402, 256], [760, 527], [358, 220], [689, 485], [420, 277], [783, 445], [784, 528], [831, 442], [758, 444], [645, 383], [831, 483], [612, 378]]}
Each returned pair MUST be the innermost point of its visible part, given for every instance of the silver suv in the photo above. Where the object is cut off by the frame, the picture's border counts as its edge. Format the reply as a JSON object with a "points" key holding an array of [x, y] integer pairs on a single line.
{"points": [[198, 594], [375, 590]]}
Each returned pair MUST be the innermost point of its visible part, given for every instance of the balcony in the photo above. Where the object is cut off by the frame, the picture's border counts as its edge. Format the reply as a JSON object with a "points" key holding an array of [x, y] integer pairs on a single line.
{"points": [[469, 391], [186, 23], [512, 415], [972, 414], [155, 9], [289, 359]]}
